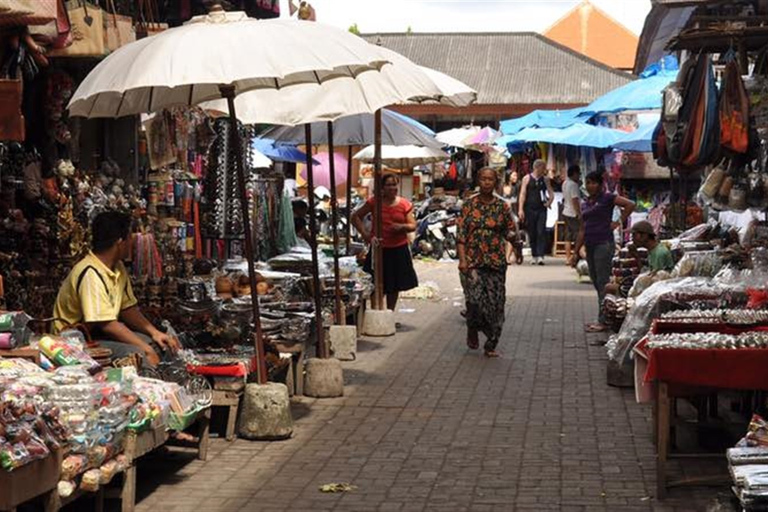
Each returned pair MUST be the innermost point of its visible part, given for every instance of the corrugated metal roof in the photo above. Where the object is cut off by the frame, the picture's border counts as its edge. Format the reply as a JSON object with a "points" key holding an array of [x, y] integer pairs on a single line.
{"points": [[509, 68]]}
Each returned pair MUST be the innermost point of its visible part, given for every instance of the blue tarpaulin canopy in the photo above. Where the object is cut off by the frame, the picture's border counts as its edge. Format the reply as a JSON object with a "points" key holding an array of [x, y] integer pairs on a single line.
{"points": [[642, 94], [641, 139], [544, 119], [585, 135]]}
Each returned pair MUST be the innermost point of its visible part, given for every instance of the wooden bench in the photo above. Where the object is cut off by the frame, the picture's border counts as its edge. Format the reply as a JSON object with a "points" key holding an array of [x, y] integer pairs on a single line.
{"points": [[227, 393]]}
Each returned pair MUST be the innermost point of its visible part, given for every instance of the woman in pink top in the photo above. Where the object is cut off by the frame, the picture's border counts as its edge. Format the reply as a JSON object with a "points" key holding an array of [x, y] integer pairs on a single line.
{"points": [[397, 221]]}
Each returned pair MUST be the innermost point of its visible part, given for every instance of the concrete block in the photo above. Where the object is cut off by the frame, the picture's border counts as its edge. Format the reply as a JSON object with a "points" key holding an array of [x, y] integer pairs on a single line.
{"points": [[266, 412], [379, 323], [324, 378], [343, 339]]}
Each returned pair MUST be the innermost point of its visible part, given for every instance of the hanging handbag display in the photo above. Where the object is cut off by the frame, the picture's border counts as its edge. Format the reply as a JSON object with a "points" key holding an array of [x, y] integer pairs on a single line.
{"points": [[148, 16], [118, 29], [734, 110], [27, 12], [11, 119], [56, 34], [87, 22]]}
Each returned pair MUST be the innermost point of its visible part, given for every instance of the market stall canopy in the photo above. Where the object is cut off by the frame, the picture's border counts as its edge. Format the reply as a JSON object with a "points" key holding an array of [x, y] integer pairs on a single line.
{"points": [[186, 65], [364, 93], [584, 135], [544, 119], [357, 130], [455, 137], [403, 157], [482, 139], [279, 153], [641, 139], [642, 94]]}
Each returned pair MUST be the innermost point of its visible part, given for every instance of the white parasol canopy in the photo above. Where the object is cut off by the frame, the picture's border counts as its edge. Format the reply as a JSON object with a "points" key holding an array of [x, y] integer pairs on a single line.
{"points": [[364, 93], [259, 159], [403, 157], [457, 137], [186, 65], [357, 130]]}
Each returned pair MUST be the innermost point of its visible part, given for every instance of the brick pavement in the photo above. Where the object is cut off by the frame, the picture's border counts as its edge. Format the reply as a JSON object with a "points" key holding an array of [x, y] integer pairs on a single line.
{"points": [[428, 425]]}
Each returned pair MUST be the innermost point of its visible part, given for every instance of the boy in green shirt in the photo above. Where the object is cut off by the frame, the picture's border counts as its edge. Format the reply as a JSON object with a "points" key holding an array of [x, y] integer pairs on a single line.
{"points": [[659, 257]]}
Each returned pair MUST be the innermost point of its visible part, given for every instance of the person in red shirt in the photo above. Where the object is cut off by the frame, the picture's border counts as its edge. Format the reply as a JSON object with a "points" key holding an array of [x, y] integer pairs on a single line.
{"points": [[397, 221]]}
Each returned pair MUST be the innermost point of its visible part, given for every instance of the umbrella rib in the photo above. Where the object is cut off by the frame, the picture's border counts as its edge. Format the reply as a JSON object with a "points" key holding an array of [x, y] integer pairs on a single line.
{"points": [[191, 94], [119, 107], [151, 97]]}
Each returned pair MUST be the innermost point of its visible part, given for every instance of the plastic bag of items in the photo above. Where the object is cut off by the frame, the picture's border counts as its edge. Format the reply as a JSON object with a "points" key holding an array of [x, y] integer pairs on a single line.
{"points": [[14, 331], [646, 280], [698, 264]]}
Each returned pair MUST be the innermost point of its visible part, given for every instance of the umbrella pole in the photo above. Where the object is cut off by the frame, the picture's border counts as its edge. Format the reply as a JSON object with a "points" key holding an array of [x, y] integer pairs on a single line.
{"points": [[378, 271], [335, 226], [322, 350], [228, 92], [349, 200]]}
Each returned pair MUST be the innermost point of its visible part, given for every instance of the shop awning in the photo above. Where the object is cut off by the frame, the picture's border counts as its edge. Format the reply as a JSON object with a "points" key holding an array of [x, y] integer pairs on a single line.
{"points": [[642, 94], [641, 139], [544, 119], [584, 135], [279, 153]]}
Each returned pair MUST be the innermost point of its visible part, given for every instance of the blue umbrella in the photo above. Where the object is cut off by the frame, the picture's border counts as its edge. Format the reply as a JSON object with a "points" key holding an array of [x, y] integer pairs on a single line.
{"points": [[544, 119], [279, 153]]}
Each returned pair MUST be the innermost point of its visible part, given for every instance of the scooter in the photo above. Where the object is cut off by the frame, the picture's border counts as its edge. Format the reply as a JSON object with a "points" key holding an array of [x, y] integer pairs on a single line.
{"points": [[430, 238]]}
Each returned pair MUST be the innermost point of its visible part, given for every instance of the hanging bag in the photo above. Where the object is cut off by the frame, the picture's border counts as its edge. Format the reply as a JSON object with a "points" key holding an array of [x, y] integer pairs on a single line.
{"points": [[118, 29], [87, 22], [734, 111], [11, 119], [27, 12], [56, 34], [148, 16]]}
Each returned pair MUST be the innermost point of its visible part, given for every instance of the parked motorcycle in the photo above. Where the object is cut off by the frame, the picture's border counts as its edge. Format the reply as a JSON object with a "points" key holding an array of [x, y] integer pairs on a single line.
{"points": [[430, 236]]}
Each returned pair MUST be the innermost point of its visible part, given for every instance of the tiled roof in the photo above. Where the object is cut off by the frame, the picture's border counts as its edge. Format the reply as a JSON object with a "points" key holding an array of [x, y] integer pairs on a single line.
{"points": [[509, 68], [590, 31]]}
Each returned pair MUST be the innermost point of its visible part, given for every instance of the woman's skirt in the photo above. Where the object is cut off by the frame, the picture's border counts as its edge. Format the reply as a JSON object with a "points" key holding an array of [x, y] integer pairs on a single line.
{"points": [[485, 294], [399, 275]]}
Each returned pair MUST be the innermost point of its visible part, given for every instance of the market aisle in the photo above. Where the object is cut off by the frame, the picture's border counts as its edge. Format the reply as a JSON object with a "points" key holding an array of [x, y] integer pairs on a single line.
{"points": [[426, 425]]}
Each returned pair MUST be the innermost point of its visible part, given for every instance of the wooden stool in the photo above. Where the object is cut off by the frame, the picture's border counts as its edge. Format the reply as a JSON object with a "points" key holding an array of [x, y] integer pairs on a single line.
{"points": [[558, 244], [227, 393]]}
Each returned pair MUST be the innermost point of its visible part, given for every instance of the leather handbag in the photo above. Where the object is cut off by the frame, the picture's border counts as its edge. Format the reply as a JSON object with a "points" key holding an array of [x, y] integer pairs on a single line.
{"points": [[87, 21], [118, 29], [11, 118], [27, 12]]}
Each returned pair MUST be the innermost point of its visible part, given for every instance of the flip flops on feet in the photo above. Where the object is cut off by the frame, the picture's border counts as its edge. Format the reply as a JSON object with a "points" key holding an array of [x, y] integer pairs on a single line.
{"points": [[595, 328], [492, 354]]}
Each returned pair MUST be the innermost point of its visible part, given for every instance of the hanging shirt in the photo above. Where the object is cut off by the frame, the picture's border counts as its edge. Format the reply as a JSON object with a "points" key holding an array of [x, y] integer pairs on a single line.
{"points": [[394, 214], [597, 215]]}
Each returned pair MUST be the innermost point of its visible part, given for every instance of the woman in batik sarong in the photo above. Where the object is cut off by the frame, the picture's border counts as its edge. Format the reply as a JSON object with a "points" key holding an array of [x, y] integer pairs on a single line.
{"points": [[485, 226]]}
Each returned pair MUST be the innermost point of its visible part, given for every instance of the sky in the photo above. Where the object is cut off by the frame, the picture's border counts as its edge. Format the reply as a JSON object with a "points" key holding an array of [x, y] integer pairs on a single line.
{"points": [[465, 15]]}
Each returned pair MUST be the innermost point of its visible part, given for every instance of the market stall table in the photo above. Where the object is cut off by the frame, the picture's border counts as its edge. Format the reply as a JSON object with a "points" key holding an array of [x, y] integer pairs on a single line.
{"points": [[34, 480], [685, 373]]}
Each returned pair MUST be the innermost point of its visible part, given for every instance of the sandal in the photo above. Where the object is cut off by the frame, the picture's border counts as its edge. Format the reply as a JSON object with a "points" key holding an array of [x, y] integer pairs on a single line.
{"points": [[492, 354], [595, 328]]}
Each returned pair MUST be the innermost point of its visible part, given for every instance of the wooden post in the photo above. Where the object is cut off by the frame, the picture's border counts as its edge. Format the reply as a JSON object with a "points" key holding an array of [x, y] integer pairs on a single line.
{"points": [[334, 228], [349, 200], [228, 92], [321, 348], [378, 271]]}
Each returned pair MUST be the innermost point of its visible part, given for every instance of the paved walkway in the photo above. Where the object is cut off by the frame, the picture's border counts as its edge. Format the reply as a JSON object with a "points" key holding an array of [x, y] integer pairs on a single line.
{"points": [[428, 425]]}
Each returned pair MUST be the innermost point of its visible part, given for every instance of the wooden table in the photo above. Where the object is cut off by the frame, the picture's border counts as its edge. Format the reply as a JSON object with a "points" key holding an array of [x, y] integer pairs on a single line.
{"points": [[227, 393], [34, 480]]}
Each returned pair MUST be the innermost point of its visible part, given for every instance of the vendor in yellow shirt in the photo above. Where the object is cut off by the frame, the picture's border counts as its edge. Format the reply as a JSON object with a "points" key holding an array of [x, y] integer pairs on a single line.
{"points": [[98, 293]]}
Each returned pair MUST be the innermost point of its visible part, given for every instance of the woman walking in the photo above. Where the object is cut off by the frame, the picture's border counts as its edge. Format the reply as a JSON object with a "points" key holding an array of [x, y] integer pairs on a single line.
{"points": [[596, 234], [485, 226], [397, 221]]}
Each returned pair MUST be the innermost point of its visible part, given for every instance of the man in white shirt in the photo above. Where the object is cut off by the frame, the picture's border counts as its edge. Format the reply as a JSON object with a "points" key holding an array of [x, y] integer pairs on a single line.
{"points": [[572, 208]]}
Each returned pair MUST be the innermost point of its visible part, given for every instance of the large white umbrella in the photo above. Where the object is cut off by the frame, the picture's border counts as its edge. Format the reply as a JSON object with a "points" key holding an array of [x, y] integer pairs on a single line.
{"points": [[457, 137], [358, 130], [187, 65], [403, 157], [364, 93]]}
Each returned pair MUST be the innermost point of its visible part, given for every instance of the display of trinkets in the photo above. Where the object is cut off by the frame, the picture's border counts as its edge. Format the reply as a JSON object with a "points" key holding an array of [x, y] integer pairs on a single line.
{"points": [[707, 340], [726, 316]]}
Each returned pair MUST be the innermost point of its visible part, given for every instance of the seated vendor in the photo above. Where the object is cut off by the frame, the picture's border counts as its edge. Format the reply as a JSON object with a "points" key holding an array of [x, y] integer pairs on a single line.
{"points": [[97, 293], [659, 257]]}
